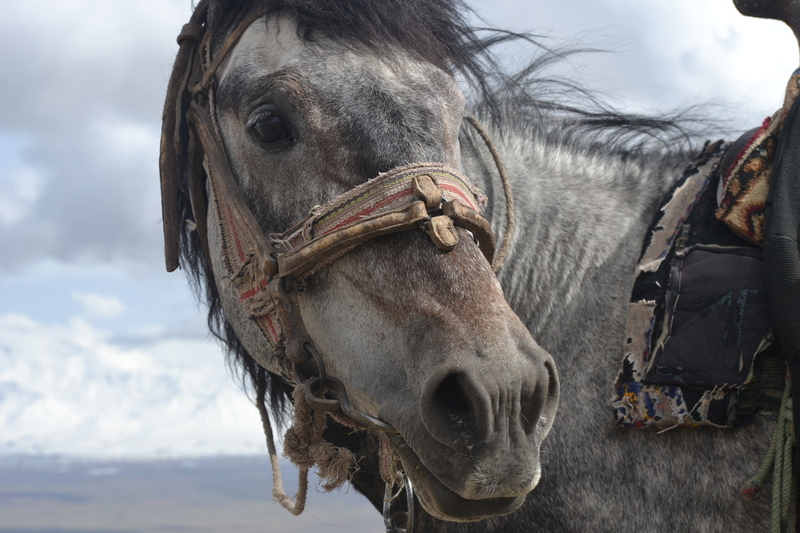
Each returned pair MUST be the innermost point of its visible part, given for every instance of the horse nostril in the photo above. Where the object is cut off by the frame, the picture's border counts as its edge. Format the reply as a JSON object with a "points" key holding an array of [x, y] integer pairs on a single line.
{"points": [[553, 392], [539, 405], [530, 409], [469, 409], [452, 406]]}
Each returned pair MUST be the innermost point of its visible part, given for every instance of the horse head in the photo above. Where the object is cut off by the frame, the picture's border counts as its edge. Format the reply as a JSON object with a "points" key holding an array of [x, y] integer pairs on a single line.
{"points": [[419, 335]]}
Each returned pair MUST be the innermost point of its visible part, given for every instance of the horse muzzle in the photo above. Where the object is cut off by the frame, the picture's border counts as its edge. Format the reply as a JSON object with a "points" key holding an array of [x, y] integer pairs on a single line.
{"points": [[471, 444]]}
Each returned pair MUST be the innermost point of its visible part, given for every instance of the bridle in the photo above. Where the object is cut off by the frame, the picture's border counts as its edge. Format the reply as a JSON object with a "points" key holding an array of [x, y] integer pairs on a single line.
{"points": [[266, 273]]}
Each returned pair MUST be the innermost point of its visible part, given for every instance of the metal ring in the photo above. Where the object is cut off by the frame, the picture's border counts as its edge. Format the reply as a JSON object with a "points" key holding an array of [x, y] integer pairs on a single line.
{"points": [[315, 396], [409, 504], [315, 389], [388, 517], [390, 520], [323, 375], [369, 422]]}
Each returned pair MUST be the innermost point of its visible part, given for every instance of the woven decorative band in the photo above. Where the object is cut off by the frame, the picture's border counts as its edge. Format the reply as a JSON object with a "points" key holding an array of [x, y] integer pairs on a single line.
{"points": [[386, 193]]}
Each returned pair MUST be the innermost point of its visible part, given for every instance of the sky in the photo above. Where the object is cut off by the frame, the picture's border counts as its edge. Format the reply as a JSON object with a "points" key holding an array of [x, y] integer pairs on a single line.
{"points": [[104, 354]]}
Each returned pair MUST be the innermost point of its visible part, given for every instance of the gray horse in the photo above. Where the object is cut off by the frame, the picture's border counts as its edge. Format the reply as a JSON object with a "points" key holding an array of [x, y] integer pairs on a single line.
{"points": [[315, 98]]}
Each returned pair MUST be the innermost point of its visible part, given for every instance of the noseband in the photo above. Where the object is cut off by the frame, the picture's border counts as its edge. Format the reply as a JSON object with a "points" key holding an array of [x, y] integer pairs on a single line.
{"points": [[266, 273]]}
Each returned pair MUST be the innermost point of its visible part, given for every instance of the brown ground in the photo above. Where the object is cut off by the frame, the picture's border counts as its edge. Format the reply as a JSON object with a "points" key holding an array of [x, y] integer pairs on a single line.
{"points": [[230, 495]]}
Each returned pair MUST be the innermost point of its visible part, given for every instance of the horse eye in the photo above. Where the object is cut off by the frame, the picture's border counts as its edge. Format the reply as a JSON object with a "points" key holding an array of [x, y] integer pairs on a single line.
{"points": [[271, 129]]}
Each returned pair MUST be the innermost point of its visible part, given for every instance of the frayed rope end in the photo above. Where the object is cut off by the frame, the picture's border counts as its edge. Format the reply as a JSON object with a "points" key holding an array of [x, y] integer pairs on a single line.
{"points": [[304, 446]]}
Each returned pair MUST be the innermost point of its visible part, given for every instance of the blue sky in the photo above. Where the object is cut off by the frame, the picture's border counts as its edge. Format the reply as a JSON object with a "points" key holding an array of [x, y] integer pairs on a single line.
{"points": [[104, 353]]}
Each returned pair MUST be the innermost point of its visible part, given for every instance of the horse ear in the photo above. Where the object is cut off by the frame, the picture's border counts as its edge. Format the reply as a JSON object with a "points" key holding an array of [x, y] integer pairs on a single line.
{"points": [[174, 132]]}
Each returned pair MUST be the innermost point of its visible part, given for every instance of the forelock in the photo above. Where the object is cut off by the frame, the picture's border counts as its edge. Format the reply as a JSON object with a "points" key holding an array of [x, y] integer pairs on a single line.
{"points": [[435, 31]]}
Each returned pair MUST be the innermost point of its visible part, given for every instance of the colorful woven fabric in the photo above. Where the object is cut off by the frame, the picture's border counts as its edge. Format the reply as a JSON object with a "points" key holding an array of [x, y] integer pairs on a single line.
{"points": [[243, 270], [746, 184]]}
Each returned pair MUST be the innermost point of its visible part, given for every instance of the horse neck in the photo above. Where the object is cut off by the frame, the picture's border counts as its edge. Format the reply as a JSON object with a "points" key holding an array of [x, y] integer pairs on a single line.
{"points": [[581, 211]]}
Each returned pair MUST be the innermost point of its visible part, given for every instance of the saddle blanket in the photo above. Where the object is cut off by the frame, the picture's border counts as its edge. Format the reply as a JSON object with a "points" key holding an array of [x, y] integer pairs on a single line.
{"points": [[699, 348]]}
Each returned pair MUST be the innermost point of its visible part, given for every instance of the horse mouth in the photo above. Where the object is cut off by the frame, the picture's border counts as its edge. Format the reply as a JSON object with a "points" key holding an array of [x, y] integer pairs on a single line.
{"points": [[443, 503]]}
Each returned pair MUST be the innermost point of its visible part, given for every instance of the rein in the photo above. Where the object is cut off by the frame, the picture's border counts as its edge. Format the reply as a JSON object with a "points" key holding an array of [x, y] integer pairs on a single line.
{"points": [[266, 273]]}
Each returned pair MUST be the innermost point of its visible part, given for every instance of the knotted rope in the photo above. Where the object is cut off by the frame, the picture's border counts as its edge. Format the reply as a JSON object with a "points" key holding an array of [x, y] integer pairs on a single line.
{"points": [[778, 462], [304, 446]]}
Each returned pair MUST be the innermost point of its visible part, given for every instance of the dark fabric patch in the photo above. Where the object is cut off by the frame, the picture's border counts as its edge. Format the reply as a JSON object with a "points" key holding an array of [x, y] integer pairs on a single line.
{"points": [[698, 348], [717, 313]]}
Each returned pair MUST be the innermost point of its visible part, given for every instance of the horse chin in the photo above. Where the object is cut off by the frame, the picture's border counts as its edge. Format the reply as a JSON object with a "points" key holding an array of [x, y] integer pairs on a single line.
{"points": [[443, 503]]}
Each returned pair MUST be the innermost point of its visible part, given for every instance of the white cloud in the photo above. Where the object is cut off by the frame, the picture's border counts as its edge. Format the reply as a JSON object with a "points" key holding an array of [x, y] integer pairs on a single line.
{"points": [[84, 30], [87, 80], [65, 389], [98, 305], [667, 54], [712, 51], [129, 139], [19, 188]]}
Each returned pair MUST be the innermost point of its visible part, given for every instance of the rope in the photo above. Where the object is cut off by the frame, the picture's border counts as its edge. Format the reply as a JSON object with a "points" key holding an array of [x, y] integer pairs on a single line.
{"points": [[305, 447], [297, 506], [505, 245], [778, 462]]}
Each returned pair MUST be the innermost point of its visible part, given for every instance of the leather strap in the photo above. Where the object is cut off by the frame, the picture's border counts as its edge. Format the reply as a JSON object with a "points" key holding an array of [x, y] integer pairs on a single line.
{"points": [[402, 199], [172, 124], [331, 246], [225, 187], [429, 197], [191, 30], [473, 221]]}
